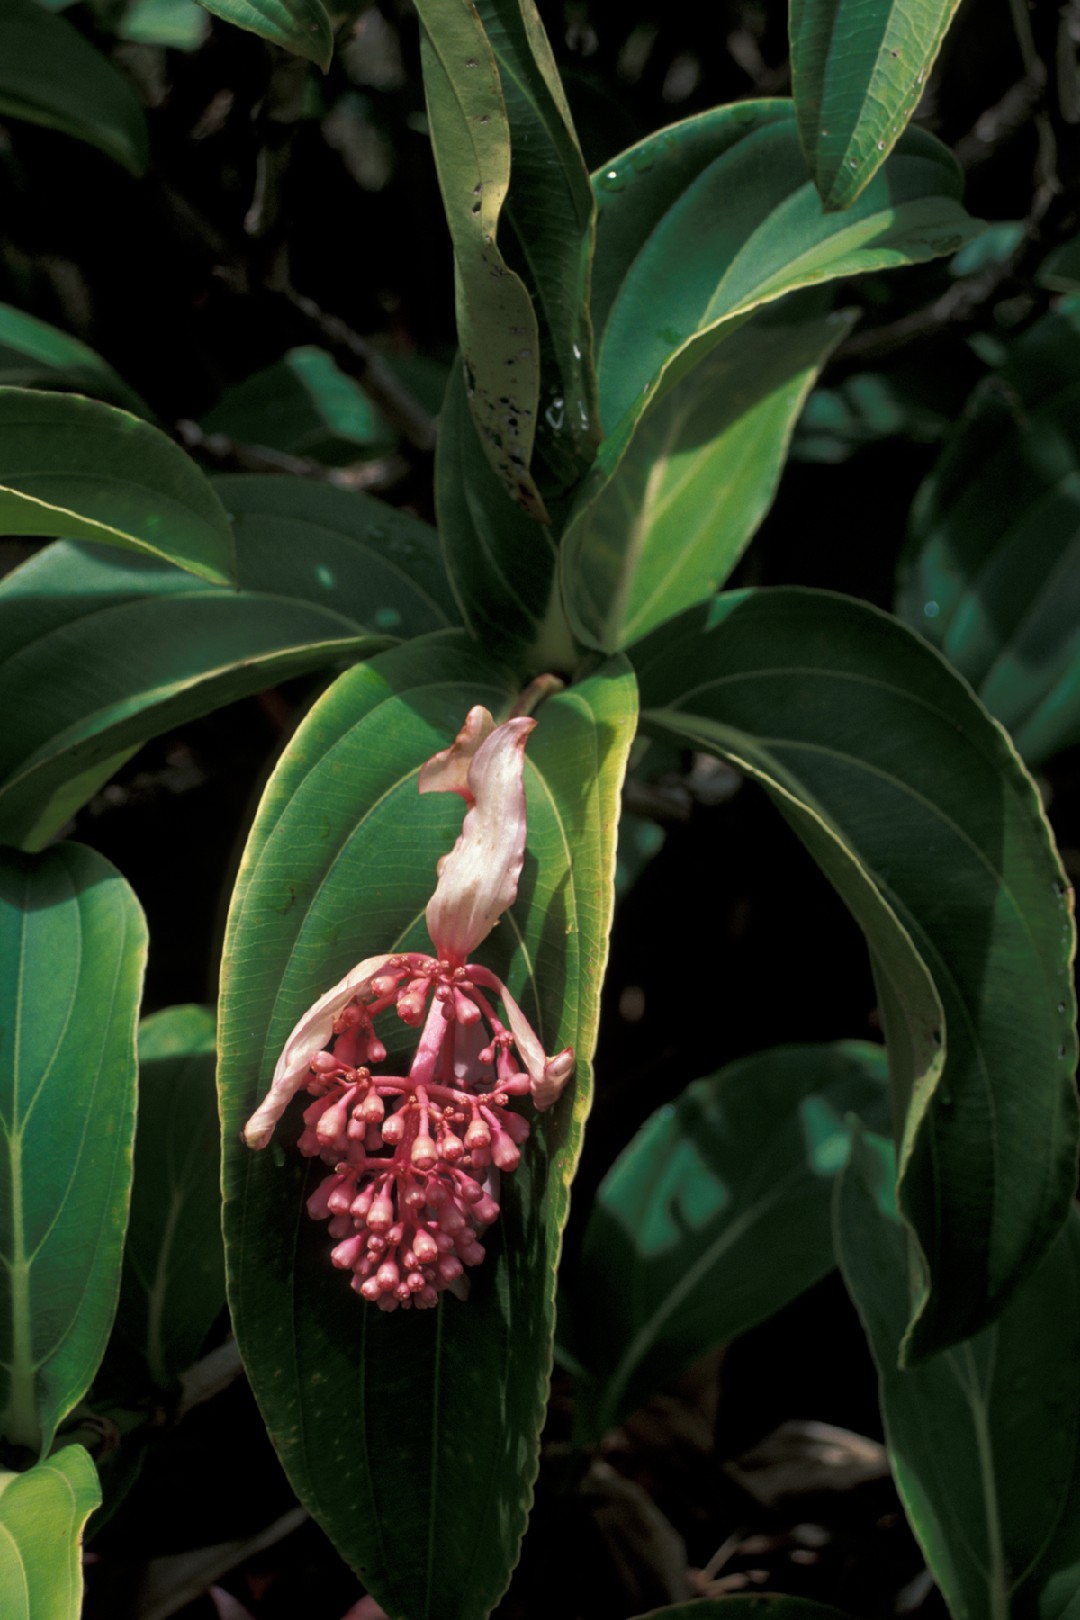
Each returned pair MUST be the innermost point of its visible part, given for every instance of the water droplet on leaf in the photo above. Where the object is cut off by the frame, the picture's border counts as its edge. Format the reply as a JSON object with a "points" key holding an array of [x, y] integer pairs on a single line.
{"points": [[612, 180]]}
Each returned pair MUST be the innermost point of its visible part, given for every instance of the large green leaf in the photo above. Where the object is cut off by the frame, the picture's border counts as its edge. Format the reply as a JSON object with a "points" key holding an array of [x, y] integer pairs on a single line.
{"points": [[716, 1215], [496, 321], [703, 222], [173, 1283], [74, 467], [698, 476], [412, 1438], [301, 26], [992, 571], [42, 1514], [912, 801], [36, 355], [103, 651], [858, 70], [72, 949], [305, 405], [50, 75], [699, 226], [984, 1439]]}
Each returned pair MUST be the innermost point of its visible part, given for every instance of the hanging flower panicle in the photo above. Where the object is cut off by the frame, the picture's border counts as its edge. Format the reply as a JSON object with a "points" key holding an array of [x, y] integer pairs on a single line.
{"points": [[415, 1158]]}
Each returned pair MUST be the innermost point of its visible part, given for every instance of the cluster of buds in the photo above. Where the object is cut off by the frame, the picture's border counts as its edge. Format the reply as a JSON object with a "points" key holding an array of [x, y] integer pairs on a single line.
{"points": [[415, 1158]]}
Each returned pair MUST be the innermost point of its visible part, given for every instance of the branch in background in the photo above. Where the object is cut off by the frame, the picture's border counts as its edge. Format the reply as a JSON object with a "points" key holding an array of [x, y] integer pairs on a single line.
{"points": [[363, 362], [229, 455], [994, 128]]}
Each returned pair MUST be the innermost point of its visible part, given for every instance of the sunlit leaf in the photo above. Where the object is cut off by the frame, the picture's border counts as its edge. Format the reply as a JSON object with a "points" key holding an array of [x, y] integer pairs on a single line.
{"points": [[36, 355], [42, 1515], [910, 798], [858, 71], [699, 227], [102, 650], [301, 26], [72, 949], [75, 468]]}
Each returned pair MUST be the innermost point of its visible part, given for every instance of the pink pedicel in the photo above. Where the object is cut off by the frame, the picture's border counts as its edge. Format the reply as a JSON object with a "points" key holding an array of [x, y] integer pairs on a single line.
{"points": [[415, 1159]]}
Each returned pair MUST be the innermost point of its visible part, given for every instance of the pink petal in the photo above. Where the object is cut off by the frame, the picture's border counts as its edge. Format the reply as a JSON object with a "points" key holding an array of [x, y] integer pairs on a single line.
{"points": [[547, 1075], [311, 1033], [478, 879], [448, 770]]}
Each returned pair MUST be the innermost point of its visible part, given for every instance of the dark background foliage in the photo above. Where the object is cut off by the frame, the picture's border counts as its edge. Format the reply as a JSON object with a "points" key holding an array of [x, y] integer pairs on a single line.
{"points": [[286, 208]]}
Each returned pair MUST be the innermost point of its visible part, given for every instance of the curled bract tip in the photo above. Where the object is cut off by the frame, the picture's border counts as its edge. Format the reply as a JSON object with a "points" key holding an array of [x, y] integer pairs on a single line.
{"points": [[478, 879]]}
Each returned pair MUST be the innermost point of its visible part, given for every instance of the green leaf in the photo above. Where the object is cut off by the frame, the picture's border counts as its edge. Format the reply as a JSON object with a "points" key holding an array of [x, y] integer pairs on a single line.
{"points": [[667, 527], [50, 75], [173, 1283], [699, 227], [703, 222], [496, 322], [74, 467], [103, 650], [501, 561], [741, 1167], [179, 25], [301, 26], [73, 947], [992, 570], [984, 1439], [304, 405], [913, 803], [42, 1515], [551, 213], [858, 71], [412, 1438], [759, 1606], [36, 355]]}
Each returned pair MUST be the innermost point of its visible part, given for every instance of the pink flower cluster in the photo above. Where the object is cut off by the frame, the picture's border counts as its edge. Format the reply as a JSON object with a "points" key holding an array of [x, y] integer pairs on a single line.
{"points": [[416, 1158]]}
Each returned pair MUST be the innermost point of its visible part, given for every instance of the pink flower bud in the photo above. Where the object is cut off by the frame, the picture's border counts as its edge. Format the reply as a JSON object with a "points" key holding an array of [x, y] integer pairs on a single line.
{"points": [[423, 1153], [381, 1214]]}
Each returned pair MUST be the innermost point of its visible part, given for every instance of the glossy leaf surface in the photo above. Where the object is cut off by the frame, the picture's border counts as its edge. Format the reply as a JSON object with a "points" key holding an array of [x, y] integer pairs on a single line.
{"points": [[858, 71], [698, 476], [34, 354], [305, 405], [716, 1215], [324, 576], [173, 1283], [992, 571], [911, 800], [301, 26], [699, 226], [50, 75], [42, 1515], [75, 468], [703, 222], [984, 1439], [72, 949], [413, 1437]]}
